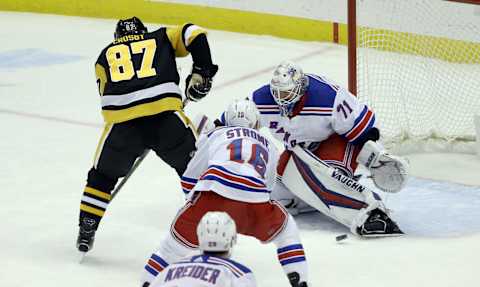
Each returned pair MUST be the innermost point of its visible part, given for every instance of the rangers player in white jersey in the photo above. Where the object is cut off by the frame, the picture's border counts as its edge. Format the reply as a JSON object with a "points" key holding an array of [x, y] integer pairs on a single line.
{"points": [[327, 132], [233, 171], [217, 234]]}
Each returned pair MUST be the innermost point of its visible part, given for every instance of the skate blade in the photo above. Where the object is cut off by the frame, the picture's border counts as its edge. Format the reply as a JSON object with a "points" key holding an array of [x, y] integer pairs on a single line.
{"points": [[81, 257], [382, 235]]}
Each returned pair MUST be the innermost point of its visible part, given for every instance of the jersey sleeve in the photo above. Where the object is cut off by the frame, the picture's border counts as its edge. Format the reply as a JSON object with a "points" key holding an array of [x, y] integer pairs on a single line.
{"points": [[271, 174], [182, 36], [197, 165], [101, 76], [350, 118]]}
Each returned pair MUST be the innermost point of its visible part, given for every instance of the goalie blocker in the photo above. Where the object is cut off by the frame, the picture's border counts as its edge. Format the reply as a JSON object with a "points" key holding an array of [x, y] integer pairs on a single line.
{"points": [[338, 196]]}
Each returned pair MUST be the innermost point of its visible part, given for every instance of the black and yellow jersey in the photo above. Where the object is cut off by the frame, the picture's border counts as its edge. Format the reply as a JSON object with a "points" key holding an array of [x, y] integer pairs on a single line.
{"points": [[137, 74]]}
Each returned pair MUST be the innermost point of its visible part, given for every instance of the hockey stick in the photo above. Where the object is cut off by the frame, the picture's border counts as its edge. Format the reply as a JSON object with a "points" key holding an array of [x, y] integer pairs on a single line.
{"points": [[135, 165], [127, 176]]}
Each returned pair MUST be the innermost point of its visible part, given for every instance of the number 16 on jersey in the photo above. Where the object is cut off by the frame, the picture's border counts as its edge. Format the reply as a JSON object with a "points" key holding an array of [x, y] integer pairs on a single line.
{"points": [[258, 155]]}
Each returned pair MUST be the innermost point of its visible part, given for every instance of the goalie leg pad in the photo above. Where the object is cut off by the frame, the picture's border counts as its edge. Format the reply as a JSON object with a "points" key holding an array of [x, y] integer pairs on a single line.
{"points": [[290, 201], [330, 192]]}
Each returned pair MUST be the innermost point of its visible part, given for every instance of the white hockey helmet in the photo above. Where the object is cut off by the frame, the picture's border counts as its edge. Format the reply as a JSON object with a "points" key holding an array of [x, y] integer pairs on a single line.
{"points": [[216, 232], [288, 84], [241, 113]]}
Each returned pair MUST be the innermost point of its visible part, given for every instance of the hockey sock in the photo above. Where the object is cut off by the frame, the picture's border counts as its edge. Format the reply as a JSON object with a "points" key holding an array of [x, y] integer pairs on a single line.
{"points": [[93, 205], [290, 251], [96, 196]]}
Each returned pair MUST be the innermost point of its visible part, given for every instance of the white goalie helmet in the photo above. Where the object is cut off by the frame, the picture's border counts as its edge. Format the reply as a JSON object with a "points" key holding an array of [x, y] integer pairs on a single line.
{"points": [[288, 84], [216, 232], [241, 113]]}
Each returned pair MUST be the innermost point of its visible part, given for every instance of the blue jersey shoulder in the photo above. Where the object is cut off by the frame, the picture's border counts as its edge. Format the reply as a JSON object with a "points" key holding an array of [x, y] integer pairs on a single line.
{"points": [[265, 102], [216, 130], [241, 267], [320, 92], [216, 260], [237, 268], [263, 96]]}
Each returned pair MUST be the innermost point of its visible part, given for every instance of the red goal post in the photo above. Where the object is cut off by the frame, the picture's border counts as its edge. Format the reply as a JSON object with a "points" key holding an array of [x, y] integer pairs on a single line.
{"points": [[417, 64]]}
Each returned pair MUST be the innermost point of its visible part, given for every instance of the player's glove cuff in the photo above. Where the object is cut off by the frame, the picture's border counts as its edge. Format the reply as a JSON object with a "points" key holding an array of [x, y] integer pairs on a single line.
{"points": [[370, 154]]}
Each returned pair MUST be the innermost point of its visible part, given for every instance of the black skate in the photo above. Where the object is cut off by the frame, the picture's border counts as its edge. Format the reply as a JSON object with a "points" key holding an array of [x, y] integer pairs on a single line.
{"points": [[379, 224], [294, 279], [86, 235]]}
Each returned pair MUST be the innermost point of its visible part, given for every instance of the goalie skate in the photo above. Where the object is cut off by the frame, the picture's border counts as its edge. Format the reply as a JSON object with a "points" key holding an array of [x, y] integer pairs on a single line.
{"points": [[379, 224]]}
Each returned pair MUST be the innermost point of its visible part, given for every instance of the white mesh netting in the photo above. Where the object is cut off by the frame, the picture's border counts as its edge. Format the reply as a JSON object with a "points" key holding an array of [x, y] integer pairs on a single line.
{"points": [[418, 67]]}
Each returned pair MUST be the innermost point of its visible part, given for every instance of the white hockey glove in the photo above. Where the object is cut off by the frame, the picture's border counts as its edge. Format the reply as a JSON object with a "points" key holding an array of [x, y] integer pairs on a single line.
{"points": [[388, 172], [199, 82]]}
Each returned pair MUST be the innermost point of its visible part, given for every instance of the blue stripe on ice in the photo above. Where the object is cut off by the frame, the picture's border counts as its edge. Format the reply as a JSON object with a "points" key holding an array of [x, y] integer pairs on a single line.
{"points": [[425, 208], [27, 58], [429, 208]]}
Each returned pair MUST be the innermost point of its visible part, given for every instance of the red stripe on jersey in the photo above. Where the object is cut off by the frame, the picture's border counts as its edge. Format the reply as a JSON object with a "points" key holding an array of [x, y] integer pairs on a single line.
{"points": [[187, 185], [233, 178], [360, 126]]}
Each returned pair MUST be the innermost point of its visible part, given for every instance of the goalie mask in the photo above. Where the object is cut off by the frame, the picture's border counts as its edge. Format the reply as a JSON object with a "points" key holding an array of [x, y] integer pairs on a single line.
{"points": [[216, 232], [288, 85], [131, 26], [241, 113]]}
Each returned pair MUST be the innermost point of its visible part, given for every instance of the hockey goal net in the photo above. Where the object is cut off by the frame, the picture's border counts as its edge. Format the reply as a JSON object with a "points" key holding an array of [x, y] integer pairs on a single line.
{"points": [[417, 64]]}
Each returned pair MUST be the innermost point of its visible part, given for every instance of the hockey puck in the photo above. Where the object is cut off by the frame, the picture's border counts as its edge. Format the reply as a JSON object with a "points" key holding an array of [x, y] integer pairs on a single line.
{"points": [[341, 237]]}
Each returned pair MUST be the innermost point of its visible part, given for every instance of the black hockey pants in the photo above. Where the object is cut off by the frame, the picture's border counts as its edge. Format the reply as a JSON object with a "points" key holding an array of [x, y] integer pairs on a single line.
{"points": [[168, 134]]}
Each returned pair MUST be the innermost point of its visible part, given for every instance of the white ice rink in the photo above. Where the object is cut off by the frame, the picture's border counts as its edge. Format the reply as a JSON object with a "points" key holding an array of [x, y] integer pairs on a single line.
{"points": [[50, 123]]}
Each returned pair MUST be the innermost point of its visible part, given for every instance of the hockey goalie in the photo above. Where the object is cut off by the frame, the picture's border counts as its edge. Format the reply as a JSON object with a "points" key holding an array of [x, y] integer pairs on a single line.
{"points": [[327, 133]]}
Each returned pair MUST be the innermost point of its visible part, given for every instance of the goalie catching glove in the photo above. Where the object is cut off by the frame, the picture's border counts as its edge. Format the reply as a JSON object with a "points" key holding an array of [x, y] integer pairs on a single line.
{"points": [[199, 82], [388, 172]]}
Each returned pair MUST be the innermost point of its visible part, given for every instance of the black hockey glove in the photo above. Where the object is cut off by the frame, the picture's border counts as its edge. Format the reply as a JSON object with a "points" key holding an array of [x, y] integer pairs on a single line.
{"points": [[199, 82]]}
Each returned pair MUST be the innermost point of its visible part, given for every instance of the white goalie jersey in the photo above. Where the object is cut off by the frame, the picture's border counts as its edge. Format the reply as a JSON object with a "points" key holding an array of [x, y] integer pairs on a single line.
{"points": [[325, 109], [234, 162], [205, 271]]}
